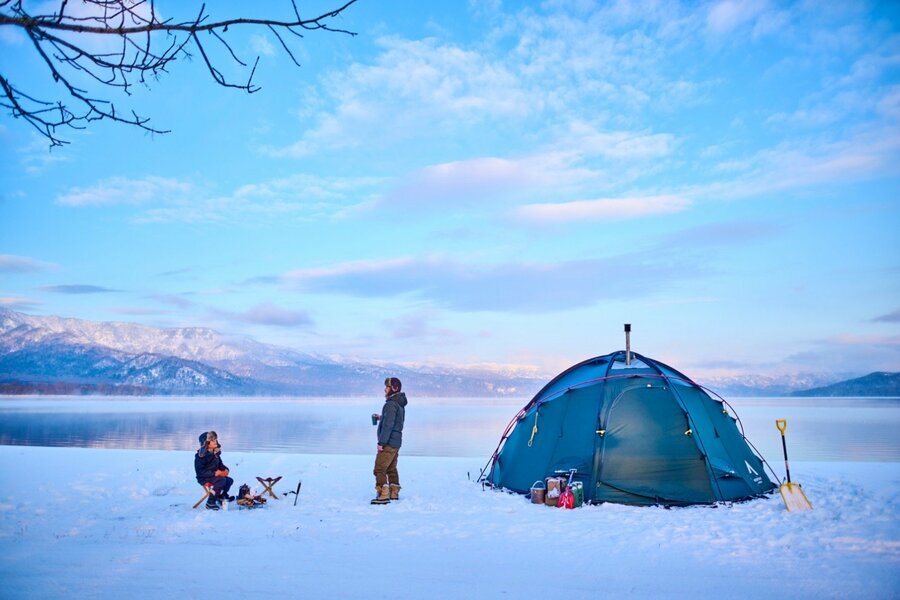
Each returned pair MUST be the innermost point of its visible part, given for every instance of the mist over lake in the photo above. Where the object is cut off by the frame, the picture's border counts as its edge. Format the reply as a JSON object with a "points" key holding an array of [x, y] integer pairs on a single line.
{"points": [[819, 429]]}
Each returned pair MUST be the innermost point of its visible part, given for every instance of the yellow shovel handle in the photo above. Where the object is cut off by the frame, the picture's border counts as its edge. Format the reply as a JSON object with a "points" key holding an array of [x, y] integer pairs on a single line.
{"points": [[781, 424]]}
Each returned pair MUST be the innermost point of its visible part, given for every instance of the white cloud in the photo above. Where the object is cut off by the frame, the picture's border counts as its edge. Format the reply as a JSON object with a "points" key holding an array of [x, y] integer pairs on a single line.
{"points": [[413, 87], [170, 200], [771, 22], [852, 94], [889, 104], [36, 156], [348, 268], [261, 45], [602, 209], [587, 140], [566, 168], [809, 163], [120, 190], [535, 69], [725, 16], [475, 181]]}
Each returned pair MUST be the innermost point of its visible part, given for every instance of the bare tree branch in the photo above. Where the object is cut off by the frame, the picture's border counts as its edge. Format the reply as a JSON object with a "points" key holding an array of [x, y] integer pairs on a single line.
{"points": [[147, 46]]}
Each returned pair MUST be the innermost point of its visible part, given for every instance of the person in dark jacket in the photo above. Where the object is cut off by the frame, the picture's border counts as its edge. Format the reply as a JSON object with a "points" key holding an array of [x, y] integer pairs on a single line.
{"points": [[390, 438], [211, 471]]}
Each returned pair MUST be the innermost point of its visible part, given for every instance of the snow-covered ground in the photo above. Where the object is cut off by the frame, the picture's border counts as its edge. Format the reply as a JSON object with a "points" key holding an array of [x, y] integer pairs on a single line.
{"points": [[88, 523]]}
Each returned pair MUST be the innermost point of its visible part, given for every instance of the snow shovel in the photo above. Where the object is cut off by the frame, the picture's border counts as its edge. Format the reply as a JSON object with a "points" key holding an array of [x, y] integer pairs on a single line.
{"points": [[791, 493]]}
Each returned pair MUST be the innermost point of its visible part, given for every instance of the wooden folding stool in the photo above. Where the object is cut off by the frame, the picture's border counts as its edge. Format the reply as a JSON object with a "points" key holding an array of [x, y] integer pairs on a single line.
{"points": [[207, 489], [267, 483]]}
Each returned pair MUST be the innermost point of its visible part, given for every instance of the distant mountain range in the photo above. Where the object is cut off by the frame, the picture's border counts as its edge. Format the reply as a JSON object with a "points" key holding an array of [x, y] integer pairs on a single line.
{"points": [[754, 385], [873, 384], [66, 356], [53, 355]]}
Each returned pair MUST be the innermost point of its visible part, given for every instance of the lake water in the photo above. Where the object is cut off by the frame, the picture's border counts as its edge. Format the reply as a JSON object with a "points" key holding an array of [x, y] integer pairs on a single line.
{"points": [[819, 429]]}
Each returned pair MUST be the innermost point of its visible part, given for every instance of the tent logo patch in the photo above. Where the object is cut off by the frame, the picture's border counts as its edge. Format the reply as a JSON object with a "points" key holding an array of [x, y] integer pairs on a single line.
{"points": [[753, 471]]}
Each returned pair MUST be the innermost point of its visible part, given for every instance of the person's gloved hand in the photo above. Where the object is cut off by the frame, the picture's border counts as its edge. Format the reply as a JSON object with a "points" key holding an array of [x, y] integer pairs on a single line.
{"points": [[222, 473]]}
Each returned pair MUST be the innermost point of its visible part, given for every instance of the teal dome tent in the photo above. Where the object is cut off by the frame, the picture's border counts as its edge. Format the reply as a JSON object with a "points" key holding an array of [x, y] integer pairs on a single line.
{"points": [[636, 431]]}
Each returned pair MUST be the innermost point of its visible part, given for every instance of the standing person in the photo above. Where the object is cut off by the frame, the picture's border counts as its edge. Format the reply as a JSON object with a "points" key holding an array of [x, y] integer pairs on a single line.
{"points": [[390, 437], [211, 471]]}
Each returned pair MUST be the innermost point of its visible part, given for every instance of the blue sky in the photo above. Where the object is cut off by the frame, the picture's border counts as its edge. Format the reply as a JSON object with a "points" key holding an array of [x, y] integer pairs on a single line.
{"points": [[493, 183]]}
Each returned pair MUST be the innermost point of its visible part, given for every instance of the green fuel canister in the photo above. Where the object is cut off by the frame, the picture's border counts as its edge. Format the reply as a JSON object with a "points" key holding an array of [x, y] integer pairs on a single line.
{"points": [[578, 493]]}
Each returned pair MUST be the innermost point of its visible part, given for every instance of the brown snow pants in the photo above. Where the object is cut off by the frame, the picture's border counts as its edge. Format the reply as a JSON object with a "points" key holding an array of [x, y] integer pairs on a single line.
{"points": [[386, 466]]}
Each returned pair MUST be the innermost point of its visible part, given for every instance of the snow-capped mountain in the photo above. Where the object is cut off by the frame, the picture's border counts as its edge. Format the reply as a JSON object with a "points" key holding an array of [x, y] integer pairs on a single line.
{"points": [[65, 355], [878, 383], [44, 350], [19, 330], [768, 385], [89, 368]]}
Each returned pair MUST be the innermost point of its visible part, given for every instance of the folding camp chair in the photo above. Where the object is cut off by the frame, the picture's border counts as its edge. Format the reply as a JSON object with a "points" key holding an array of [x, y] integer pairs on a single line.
{"points": [[267, 483], [207, 492]]}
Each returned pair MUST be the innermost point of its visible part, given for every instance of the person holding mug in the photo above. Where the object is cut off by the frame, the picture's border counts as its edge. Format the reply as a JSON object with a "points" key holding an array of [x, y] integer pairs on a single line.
{"points": [[390, 438]]}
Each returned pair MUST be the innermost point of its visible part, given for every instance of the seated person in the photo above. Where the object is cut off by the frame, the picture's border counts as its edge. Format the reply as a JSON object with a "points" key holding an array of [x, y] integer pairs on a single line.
{"points": [[211, 472]]}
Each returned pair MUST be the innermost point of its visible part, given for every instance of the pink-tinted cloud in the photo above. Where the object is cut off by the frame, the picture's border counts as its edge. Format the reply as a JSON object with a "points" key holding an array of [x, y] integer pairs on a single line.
{"points": [[474, 181], [78, 288], [602, 209], [18, 302]]}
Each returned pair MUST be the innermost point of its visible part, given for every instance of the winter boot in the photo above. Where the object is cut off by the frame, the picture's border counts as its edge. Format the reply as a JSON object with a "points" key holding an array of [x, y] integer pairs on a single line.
{"points": [[384, 495], [395, 491], [212, 504]]}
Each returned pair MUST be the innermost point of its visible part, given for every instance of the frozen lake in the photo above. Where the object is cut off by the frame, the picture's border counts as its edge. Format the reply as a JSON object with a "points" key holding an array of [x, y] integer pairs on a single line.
{"points": [[819, 429]]}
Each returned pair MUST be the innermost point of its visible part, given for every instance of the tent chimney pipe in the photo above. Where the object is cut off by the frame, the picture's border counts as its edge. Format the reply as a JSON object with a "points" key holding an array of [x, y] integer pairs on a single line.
{"points": [[627, 344]]}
